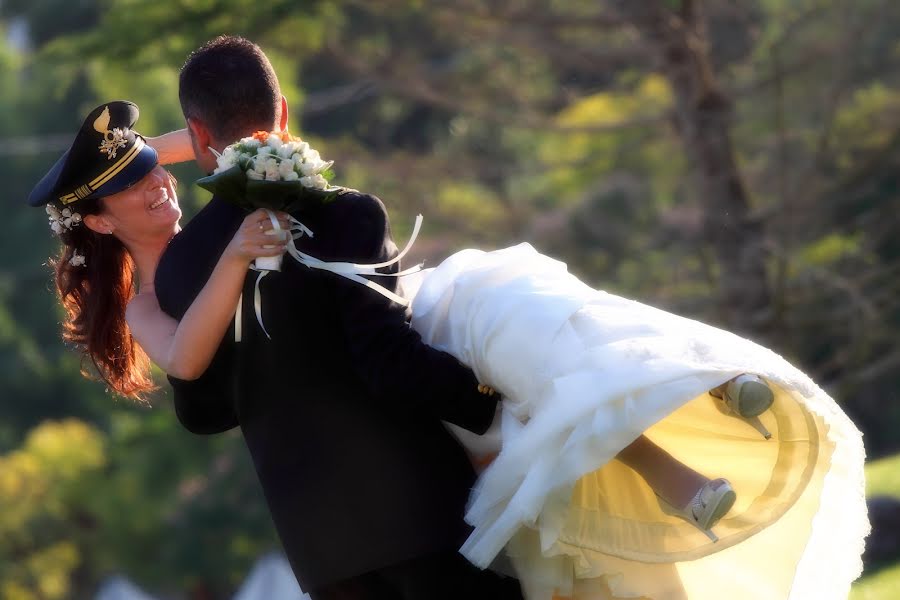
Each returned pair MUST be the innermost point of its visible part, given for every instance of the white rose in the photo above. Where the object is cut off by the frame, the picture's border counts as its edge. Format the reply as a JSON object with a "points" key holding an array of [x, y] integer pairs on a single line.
{"points": [[57, 227], [274, 142], [271, 170], [285, 151], [251, 143], [263, 151], [76, 218], [66, 212], [292, 176], [53, 212], [285, 168], [309, 168], [312, 155], [67, 221], [259, 165], [254, 175], [225, 162], [314, 181], [302, 147]]}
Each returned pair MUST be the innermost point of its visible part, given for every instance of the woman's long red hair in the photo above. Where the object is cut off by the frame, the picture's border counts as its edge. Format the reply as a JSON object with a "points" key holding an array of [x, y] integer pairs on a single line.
{"points": [[94, 297]]}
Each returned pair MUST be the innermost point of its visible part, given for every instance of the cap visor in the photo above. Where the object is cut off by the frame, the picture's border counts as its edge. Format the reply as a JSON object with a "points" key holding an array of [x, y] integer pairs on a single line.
{"points": [[136, 170], [41, 194]]}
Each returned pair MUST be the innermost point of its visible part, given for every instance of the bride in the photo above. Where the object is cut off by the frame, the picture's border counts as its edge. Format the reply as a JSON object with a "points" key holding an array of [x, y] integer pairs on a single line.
{"points": [[635, 453]]}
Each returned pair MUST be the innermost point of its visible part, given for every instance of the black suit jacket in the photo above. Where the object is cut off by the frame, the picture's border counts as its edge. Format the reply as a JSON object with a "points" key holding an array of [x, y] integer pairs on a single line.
{"points": [[341, 409]]}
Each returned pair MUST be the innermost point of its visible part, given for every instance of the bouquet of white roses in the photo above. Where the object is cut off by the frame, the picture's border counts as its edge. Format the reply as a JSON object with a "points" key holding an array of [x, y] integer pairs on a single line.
{"points": [[273, 170]]}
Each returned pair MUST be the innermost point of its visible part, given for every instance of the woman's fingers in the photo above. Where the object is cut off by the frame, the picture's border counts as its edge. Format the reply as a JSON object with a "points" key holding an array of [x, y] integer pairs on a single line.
{"points": [[258, 237], [270, 250], [264, 248], [259, 220]]}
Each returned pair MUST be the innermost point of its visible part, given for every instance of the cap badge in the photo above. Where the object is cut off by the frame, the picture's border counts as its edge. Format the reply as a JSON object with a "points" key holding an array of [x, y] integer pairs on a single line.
{"points": [[113, 139]]}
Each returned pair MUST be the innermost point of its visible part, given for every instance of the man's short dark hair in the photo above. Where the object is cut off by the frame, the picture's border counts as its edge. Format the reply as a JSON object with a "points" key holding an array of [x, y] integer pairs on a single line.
{"points": [[229, 84]]}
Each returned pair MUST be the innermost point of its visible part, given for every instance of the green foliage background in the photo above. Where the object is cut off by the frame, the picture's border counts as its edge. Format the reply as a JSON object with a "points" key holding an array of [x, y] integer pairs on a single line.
{"points": [[541, 121]]}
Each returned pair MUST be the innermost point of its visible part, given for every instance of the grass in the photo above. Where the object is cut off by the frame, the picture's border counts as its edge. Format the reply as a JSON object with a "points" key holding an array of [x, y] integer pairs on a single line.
{"points": [[882, 479], [881, 585]]}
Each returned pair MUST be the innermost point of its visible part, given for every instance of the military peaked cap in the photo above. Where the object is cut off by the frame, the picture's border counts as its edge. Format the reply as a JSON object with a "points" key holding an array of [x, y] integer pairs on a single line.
{"points": [[107, 156]]}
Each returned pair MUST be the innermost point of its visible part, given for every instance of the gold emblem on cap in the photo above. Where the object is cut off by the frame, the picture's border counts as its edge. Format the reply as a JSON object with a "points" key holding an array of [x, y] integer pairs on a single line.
{"points": [[113, 139], [86, 190]]}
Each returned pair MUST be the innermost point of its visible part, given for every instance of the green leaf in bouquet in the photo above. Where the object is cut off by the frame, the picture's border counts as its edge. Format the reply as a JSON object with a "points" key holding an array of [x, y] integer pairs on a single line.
{"points": [[289, 196], [230, 185], [274, 195]]}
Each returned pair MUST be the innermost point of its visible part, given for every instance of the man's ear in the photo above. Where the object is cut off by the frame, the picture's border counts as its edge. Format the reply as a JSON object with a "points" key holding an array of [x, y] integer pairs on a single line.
{"points": [[282, 126], [201, 140], [98, 223], [199, 134]]}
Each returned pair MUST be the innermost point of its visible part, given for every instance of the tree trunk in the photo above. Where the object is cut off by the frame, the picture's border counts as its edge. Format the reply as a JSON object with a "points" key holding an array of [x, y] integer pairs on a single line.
{"points": [[702, 113]]}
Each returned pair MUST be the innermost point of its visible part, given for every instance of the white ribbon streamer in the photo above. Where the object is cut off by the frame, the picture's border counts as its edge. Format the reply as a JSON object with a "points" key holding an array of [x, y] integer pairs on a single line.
{"points": [[237, 318], [352, 271], [257, 302]]}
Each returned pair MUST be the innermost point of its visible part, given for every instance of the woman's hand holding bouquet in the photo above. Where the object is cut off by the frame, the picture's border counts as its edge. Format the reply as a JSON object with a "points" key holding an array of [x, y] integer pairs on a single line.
{"points": [[257, 237], [271, 170]]}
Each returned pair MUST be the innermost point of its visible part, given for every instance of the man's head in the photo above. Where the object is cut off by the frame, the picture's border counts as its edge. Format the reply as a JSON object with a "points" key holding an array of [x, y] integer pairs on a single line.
{"points": [[228, 90]]}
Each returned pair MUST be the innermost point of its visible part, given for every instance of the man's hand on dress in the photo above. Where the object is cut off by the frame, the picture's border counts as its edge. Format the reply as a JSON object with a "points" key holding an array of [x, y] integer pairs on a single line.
{"points": [[486, 390]]}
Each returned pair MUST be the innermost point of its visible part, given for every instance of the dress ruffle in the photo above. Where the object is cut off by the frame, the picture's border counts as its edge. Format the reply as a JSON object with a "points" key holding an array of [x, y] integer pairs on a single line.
{"points": [[584, 373]]}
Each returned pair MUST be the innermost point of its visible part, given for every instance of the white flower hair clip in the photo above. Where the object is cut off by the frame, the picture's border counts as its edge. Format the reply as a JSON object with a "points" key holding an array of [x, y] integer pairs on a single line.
{"points": [[62, 220], [77, 260]]}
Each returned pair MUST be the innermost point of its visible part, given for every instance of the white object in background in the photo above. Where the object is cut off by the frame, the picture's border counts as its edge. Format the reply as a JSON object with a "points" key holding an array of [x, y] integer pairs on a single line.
{"points": [[271, 579], [119, 588]]}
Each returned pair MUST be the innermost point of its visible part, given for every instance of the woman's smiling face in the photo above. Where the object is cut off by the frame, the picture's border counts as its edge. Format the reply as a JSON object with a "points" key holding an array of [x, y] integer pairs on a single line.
{"points": [[148, 208]]}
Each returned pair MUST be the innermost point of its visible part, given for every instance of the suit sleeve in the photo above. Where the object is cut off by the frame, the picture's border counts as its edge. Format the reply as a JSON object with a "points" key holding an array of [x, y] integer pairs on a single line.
{"points": [[206, 405], [388, 355]]}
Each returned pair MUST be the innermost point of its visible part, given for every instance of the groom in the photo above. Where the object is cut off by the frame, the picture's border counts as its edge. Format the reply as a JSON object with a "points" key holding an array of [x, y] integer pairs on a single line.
{"points": [[341, 410]]}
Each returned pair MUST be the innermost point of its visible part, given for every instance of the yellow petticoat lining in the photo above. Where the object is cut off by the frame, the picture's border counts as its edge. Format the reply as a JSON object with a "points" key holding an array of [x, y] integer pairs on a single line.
{"points": [[617, 539]]}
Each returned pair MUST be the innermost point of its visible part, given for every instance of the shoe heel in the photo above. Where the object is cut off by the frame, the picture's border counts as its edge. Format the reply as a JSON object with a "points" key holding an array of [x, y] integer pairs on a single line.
{"points": [[757, 425]]}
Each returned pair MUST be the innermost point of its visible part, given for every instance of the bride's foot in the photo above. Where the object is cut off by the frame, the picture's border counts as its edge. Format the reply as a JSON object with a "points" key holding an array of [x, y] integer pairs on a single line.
{"points": [[711, 502], [746, 396]]}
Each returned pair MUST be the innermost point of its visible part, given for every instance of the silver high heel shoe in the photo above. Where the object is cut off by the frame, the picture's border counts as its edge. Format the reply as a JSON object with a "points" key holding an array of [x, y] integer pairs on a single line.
{"points": [[706, 508], [746, 396]]}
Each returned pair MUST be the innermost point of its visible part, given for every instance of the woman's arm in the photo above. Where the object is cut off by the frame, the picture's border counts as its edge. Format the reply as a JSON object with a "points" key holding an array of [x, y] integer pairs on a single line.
{"points": [[184, 349], [172, 147]]}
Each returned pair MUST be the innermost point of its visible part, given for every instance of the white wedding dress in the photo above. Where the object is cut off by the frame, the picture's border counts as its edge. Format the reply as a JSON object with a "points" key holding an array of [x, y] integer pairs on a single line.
{"points": [[583, 373]]}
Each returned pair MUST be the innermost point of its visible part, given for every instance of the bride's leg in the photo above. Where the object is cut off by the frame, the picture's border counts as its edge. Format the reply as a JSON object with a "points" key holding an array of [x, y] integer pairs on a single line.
{"points": [[670, 478], [691, 496]]}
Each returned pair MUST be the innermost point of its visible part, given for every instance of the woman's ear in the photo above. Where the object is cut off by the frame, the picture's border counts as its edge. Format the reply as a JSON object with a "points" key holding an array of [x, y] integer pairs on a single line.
{"points": [[98, 223], [284, 115]]}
